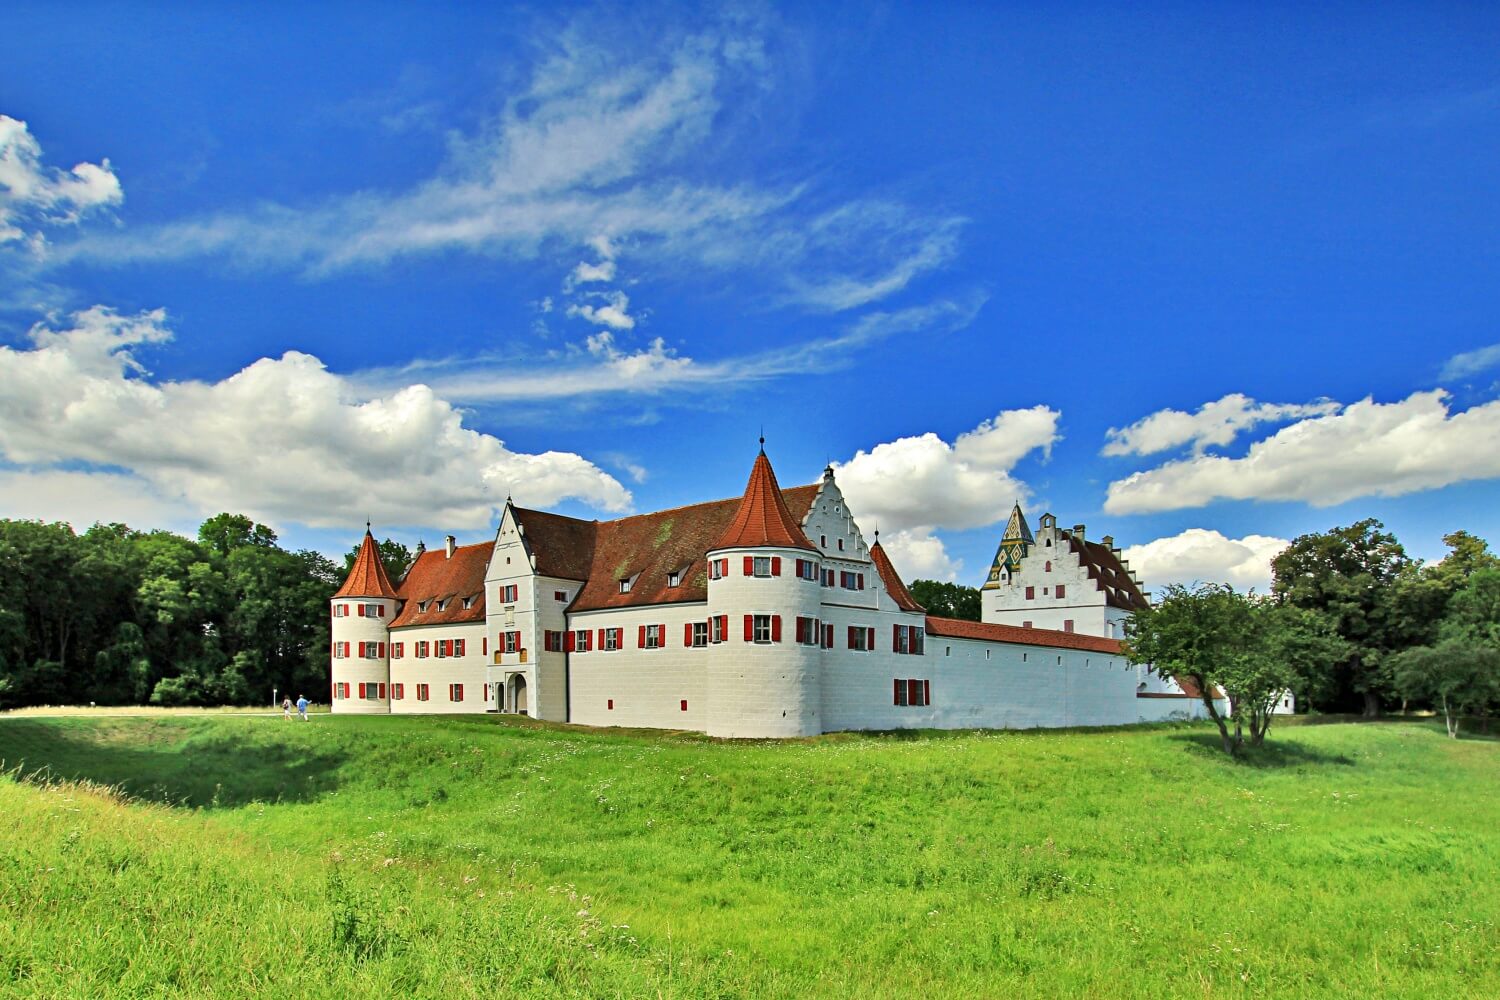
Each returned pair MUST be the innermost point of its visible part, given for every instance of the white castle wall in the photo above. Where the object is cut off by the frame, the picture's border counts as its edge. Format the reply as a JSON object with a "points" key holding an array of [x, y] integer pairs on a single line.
{"points": [[352, 669], [647, 686], [439, 672]]}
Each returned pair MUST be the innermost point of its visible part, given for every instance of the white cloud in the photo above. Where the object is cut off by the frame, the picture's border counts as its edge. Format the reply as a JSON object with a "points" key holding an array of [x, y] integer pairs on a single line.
{"points": [[611, 144], [923, 482], [1471, 362], [920, 555], [283, 440], [614, 313], [1368, 449], [1216, 423], [1200, 555], [83, 498], [33, 195]]}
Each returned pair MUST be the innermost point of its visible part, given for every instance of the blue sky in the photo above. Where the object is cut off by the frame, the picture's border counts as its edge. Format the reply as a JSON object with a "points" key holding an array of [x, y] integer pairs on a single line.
{"points": [[1204, 278]]}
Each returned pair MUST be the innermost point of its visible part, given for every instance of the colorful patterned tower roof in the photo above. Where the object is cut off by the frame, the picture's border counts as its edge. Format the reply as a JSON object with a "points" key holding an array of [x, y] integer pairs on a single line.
{"points": [[367, 578], [1014, 545], [763, 518]]}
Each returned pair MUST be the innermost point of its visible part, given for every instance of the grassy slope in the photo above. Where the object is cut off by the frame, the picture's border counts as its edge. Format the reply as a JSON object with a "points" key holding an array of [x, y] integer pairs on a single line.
{"points": [[1348, 860]]}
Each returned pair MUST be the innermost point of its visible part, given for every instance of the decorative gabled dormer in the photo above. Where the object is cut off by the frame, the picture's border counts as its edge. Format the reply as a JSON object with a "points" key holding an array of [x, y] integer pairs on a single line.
{"points": [[1014, 545]]}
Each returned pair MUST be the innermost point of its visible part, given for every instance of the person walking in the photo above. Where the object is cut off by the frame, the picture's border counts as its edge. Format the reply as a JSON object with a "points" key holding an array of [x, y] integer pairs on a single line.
{"points": [[286, 707], [302, 706]]}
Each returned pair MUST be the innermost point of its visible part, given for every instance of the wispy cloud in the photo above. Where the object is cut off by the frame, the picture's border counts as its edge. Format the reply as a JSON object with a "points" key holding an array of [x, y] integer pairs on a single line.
{"points": [[1471, 362], [621, 139]]}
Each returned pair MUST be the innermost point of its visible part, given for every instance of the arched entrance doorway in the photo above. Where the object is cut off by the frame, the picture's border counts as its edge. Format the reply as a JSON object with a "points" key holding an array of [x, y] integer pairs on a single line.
{"points": [[518, 700]]}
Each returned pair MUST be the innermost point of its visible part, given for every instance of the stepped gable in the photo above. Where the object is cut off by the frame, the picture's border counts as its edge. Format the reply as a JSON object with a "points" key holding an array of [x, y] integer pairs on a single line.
{"points": [[435, 579], [959, 629], [368, 577], [763, 517], [892, 579], [646, 547], [1120, 589], [562, 546]]}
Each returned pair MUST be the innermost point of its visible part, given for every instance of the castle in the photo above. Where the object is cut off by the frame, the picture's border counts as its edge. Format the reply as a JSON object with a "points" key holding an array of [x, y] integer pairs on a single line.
{"points": [[763, 615]]}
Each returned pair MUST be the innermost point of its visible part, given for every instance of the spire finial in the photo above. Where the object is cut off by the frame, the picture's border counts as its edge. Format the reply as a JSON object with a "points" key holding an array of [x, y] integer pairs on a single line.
{"points": [[367, 525], [762, 439]]}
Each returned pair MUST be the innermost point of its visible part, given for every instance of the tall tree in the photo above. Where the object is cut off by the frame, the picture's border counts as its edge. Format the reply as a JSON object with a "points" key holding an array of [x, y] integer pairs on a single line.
{"points": [[1348, 574], [947, 600]]}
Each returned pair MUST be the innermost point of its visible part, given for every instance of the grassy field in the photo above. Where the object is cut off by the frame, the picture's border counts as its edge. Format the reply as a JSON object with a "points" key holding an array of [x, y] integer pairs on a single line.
{"points": [[481, 857]]}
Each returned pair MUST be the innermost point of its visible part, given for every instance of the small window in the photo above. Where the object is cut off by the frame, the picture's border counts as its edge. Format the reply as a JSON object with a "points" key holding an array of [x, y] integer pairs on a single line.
{"points": [[653, 636], [1068, 625], [625, 586], [509, 593], [684, 704], [1026, 624], [611, 639], [560, 596], [762, 628], [1049, 566], [823, 541], [468, 603], [841, 545], [398, 692], [718, 569], [762, 566], [1031, 593], [700, 634], [986, 654], [582, 640], [717, 626], [422, 606], [610, 704], [455, 692], [1062, 590], [422, 692], [674, 578]]}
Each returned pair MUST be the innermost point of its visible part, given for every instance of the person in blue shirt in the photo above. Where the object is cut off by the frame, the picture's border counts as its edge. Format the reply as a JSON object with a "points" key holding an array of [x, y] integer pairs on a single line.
{"points": [[302, 707]]}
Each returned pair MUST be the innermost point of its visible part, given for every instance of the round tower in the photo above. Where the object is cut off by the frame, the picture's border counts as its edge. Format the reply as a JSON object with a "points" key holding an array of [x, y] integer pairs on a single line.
{"points": [[764, 658], [362, 611]]}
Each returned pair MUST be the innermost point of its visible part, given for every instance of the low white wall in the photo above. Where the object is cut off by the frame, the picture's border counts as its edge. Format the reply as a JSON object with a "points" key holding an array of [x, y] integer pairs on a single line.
{"points": [[439, 672], [647, 686]]}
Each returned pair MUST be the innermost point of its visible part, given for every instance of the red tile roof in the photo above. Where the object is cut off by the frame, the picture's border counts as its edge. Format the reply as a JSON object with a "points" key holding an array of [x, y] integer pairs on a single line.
{"points": [[647, 547], [1111, 577], [367, 578], [892, 580], [563, 546], [959, 629], [763, 518], [435, 579]]}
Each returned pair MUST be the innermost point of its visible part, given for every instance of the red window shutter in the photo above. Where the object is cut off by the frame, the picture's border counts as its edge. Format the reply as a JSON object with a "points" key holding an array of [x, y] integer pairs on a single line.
{"points": [[775, 565], [775, 628], [799, 567], [851, 636], [382, 691], [913, 692], [640, 639], [611, 703], [895, 638], [361, 613], [684, 704], [380, 611], [661, 636], [927, 692], [484, 646], [361, 689], [861, 581], [568, 642], [749, 565], [1031, 593], [381, 653], [1062, 590], [687, 633], [601, 638], [749, 628], [828, 636], [896, 696], [362, 650], [870, 639], [801, 625]]}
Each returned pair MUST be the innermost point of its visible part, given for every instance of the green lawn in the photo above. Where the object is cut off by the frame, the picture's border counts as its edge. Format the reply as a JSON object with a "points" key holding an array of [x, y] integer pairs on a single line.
{"points": [[475, 856]]}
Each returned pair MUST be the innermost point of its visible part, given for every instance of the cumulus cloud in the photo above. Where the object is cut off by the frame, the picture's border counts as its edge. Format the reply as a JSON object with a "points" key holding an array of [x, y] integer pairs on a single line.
{"points": [[614, 313], [1216, 423], [923, 482], [1367, 449], [584, 273], [1471, 362], [84, 498], [1200, 555], [920, 555], [33, 195], [283, 440]]}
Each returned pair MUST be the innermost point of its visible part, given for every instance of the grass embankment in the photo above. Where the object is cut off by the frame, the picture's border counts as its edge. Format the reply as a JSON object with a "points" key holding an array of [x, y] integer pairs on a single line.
{"points": [[473, 856]]}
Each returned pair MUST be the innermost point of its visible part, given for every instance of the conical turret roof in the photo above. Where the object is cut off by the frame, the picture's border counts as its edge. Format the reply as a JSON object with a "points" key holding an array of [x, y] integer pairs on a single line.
{"points": [[367, 578], [892, 580], [763, 518]]}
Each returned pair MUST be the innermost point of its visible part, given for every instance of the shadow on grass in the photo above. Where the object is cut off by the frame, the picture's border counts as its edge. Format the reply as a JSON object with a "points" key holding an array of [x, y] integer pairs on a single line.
{"points": [[1272, 753], [177, 762]]}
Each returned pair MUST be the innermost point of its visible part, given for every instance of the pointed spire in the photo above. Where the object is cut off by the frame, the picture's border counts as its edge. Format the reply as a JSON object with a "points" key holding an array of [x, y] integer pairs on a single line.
{"points": [[368, 577], [763, 518]]}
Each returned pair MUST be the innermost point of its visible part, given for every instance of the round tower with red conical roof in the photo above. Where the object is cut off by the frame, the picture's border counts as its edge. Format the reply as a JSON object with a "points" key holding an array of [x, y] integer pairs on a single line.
{"points": [[764, 663], [362, 610]]}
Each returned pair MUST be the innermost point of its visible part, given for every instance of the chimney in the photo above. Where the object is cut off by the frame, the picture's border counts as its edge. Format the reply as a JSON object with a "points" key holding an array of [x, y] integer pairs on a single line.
{"points": [[1109, 542], [1078, 532], [448, 544]]}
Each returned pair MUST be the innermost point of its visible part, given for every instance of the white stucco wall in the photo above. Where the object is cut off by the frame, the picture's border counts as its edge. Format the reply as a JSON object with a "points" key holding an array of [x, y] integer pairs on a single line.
{"points": [[352, 669], [647, 686], [439, 672]]}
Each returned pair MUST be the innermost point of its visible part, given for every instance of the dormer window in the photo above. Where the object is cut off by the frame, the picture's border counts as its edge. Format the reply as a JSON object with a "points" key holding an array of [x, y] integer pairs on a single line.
{"points": [[443, 604], [468, 603], [422, 606], [674, 578], [625, 585]]}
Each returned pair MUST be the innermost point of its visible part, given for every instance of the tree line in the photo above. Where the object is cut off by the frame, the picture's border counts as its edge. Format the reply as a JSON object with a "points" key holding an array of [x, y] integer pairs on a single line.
{"points": [[119, 616], [1351, 623]]}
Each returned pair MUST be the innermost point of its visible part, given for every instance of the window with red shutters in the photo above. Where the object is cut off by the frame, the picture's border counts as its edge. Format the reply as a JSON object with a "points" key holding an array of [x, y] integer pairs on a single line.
{"points": [[913, 692], [775, 565], [899, 697], [398, 692], [581, 643], [422, 692]]}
